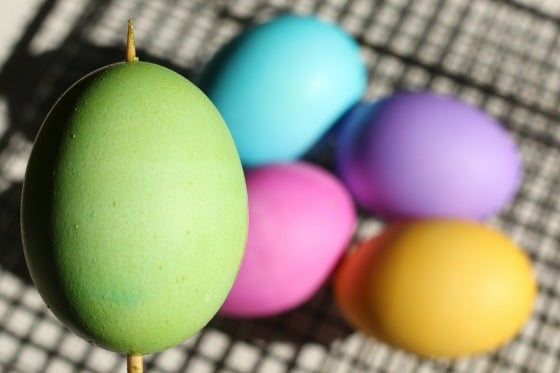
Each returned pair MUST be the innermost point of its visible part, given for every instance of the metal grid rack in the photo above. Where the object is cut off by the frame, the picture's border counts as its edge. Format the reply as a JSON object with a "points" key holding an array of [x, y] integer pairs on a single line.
{"points": [[500, 55]]}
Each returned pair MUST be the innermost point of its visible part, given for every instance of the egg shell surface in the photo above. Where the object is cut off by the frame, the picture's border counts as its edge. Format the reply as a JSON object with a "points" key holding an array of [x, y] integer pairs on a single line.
{"points": [[301, 220], [281, 85], [134, 208], [421, 155], [437, 288]]}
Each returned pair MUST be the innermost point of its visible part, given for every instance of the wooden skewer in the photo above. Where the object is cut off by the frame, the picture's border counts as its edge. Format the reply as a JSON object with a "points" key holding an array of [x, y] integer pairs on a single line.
{"points": [[135, 364], [130, 44]]}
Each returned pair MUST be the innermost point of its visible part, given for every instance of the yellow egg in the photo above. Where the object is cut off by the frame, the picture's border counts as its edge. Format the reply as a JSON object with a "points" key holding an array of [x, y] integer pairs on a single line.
{"points": [[437, 288]]}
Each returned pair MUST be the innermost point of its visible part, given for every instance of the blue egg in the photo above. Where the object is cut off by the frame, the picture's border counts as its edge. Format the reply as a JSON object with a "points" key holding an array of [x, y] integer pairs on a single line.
{"points": [[283, 84]]}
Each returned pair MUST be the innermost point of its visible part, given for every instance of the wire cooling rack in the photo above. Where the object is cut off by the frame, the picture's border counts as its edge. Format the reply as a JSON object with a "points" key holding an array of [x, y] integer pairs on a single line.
{"points": [[503, 56]]}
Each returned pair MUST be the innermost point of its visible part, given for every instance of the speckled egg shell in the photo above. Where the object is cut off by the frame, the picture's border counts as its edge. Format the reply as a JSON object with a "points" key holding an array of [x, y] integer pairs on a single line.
{"points": [[134, 209]]}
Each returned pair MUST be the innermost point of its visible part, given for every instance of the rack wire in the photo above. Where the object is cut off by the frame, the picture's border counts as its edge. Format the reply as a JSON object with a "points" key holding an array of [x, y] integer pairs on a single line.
{"points": [[503, 56]]}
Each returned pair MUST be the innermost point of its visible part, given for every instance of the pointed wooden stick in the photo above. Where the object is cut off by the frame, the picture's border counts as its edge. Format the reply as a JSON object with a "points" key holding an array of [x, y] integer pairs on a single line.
{"points": [[135, 364], [130, 44]]}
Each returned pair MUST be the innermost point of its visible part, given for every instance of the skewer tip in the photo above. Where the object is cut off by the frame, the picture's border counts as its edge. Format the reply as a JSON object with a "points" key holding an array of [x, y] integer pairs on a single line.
{"points": [[130, 44]]}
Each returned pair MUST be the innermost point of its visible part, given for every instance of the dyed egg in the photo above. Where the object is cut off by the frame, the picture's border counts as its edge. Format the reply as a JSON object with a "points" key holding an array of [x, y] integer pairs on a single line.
{"points": [[437, 288], [134, 208], [300, 221], [282, 84], [417, 155]]}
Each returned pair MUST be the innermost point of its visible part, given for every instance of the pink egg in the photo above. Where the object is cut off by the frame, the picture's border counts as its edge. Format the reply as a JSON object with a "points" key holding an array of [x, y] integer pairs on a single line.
{"points": [[301, 220]]}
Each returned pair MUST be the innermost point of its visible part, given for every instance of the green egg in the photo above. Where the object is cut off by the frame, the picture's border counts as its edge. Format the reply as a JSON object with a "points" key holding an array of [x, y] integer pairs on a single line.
{"points": [[134, 209]]}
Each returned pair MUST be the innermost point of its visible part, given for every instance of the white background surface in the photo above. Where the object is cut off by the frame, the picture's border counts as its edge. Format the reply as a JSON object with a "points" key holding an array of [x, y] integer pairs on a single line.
{"points": [[14, 15]]}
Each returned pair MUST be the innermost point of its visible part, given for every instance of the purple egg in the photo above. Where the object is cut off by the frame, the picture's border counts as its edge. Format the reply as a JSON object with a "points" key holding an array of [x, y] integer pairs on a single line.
{"points": [[419, 155]]}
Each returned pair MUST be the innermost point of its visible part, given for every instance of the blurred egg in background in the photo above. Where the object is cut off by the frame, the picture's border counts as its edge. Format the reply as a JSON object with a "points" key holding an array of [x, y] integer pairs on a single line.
{"points": [[437, 288], [281, 84], [420, 154], [301, 220]]}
